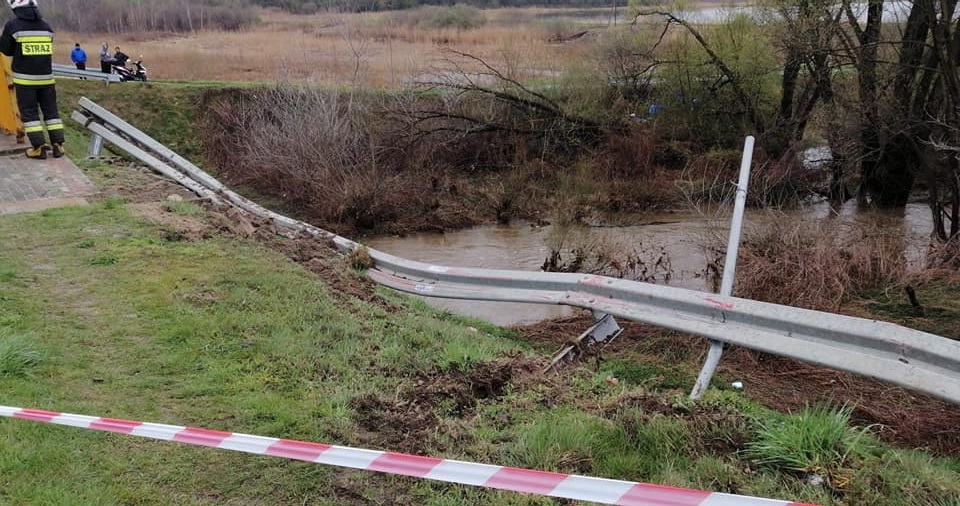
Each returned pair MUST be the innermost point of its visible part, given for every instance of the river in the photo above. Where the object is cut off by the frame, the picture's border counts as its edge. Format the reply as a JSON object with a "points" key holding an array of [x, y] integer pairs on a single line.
{"points": [[680, 235]]}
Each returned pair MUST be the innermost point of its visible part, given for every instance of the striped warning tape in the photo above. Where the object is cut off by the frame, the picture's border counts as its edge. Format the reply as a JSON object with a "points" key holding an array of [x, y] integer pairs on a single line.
{"points": [[599, 490]]}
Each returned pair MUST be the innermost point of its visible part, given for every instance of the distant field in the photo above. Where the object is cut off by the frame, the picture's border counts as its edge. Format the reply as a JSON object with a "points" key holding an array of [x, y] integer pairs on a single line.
{"points": [[374, 49]]}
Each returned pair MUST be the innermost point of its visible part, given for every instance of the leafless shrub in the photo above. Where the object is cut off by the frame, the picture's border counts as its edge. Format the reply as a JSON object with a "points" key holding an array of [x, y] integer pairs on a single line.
{"points": [[817, 264], [344, 161], [472, 132], [311, 148], [484, 99], [628, 153], [627, 62], [617, 177], [519, 193], [712, 178]]}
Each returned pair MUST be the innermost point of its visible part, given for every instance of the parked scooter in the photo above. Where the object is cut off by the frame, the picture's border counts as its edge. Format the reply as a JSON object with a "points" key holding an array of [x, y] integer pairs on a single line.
{"points": [[138, 73]]}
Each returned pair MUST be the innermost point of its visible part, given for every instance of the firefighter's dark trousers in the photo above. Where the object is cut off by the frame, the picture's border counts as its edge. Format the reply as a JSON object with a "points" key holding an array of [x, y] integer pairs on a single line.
{"points": [[34, 100]]}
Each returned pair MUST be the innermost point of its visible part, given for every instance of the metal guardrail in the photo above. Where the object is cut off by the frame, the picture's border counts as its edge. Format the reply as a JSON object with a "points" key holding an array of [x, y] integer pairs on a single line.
{"points": [[910, 358], [96, 75]]}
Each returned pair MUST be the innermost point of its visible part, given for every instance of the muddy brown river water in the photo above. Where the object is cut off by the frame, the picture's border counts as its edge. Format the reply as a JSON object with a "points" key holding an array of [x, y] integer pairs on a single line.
{"points": [[681, 236]]}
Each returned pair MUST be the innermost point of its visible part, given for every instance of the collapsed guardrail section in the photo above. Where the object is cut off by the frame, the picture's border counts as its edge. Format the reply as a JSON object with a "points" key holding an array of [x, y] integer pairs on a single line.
{"points": [[910, 358]]}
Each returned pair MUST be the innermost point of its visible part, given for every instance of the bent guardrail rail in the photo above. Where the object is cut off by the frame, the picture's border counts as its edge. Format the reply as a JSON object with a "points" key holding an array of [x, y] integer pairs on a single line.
{"points": [[96, 75], [910, 358]]}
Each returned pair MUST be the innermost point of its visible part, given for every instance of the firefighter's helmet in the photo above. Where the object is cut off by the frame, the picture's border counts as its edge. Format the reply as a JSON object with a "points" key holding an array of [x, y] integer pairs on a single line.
{"points": [[16, 4]]}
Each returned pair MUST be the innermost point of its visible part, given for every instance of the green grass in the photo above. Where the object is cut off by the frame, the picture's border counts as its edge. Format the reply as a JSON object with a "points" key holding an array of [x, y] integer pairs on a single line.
{"points": [[818, 440], [183, 207], [216, 334], [18, 357], [164, 111], [640, 373]]}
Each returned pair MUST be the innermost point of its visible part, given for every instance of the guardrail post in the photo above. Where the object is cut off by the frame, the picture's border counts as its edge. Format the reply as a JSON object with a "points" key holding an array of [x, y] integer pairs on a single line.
{"points": [[729, 266], [96, 145]]}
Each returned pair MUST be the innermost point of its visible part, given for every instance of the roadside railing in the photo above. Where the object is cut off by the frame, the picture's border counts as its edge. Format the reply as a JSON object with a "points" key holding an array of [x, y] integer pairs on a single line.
{"points": [[910, 358], [95, 75]]}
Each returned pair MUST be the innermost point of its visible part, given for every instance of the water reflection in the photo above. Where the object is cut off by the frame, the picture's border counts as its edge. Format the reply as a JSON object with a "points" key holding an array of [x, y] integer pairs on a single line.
{"points": [[682, 236], [494, 247], [893, 12]]}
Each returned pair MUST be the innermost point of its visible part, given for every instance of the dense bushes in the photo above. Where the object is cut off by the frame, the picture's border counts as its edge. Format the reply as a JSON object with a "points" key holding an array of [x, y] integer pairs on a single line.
{"points": [[355, 162], [458, 16], [342, 160], [313, 149]]}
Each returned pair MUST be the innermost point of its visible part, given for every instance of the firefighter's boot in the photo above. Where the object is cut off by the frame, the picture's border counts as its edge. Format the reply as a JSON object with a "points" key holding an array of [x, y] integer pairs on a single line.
{"points": [[58, 150], [37, 152]]}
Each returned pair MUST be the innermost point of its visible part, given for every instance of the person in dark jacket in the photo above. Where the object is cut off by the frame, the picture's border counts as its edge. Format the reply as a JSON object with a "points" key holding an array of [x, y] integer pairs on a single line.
{"points": [[28, 39], [120, 58]]}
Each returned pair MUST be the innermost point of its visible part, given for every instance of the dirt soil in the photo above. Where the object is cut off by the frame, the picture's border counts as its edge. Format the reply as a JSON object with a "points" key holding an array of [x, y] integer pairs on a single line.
{"points": [[407, 419], [898, 416]]}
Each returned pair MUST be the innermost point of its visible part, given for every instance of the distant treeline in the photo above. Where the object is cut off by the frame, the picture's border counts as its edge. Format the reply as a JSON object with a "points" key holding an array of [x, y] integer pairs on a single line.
{"points": [[309, 6], [120, 16]]}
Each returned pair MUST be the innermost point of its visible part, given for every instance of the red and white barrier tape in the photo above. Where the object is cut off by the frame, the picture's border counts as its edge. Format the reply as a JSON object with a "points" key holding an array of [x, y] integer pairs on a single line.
{"points": [[568, 486]]}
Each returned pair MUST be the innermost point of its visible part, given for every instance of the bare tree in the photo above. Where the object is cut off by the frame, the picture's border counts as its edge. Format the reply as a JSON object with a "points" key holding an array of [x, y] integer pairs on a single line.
{"points": [[480, 99]]}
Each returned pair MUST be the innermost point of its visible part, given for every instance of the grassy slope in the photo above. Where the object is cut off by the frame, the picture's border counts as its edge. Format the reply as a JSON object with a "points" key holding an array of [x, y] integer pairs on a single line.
{"points": [[164, 110], [101, 313]]}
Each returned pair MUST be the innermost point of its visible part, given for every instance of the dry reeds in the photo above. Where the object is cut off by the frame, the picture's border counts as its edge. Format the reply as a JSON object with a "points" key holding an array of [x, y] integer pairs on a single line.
{"points": [[944, 255], [375, 50], [817, 265], [712, 178]]}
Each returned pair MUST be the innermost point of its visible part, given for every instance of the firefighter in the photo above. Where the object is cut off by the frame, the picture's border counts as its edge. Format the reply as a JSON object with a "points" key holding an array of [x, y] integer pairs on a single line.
{"points": [[29, 40]]}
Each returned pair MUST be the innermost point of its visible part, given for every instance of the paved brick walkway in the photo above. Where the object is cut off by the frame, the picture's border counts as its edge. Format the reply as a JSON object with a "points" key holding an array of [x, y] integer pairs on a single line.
{"points": [[32, 185]]}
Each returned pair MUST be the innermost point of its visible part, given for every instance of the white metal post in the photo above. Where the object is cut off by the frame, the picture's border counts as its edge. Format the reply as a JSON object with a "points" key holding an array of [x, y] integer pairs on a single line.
{"points": [[729, 266], [96, 145]]}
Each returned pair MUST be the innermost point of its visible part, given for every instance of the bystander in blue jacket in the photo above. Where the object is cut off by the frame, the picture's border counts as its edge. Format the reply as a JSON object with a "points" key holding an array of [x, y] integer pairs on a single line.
{"points": [[79, 57]]}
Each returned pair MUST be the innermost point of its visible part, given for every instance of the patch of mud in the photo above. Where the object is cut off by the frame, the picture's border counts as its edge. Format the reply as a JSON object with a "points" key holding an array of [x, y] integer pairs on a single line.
{"points": [[409, 420], [175, 227], [713, 430], [320, 256], [552, 334], [135, 183], [556, 335]]}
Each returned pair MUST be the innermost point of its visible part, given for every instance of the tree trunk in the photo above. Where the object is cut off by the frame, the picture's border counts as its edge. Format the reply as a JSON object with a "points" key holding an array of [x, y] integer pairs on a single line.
{"points": [[872, 170]]}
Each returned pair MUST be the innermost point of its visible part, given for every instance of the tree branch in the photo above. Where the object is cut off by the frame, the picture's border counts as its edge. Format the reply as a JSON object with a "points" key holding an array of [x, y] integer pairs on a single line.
{"points": [[718, 62]]}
